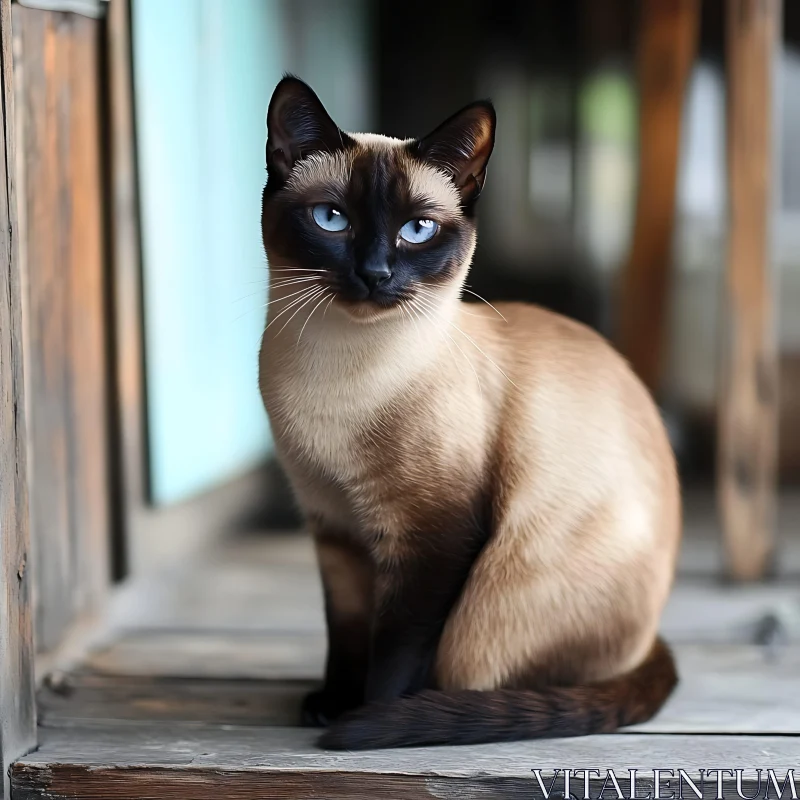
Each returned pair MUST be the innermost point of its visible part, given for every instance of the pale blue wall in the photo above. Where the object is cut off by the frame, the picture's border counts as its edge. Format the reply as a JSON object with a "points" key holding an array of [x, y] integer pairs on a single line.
{"points": [[204, 70], [203, 74]]}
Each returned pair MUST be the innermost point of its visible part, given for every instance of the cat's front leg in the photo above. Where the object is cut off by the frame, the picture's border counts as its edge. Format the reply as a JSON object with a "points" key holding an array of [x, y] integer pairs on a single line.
{"points": [[347, 580], [415, 596]]}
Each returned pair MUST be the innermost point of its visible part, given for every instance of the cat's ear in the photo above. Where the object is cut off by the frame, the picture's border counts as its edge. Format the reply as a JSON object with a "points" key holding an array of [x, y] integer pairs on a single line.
{"points": [[461, 146], [297, 125]]}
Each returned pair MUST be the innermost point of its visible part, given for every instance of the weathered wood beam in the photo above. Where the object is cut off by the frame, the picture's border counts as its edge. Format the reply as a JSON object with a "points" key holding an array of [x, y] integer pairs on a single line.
{"points": [[62, 260], [667, 42], [748, 416], [130, 761], [17, 713]]}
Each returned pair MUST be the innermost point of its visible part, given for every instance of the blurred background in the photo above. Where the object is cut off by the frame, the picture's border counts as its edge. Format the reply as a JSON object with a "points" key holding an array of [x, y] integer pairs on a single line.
{"points": [[557, 218], [645, 180]]}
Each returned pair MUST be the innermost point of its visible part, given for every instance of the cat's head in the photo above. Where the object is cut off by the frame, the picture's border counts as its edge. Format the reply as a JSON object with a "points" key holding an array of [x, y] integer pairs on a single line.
{"points": [[376, 221]]}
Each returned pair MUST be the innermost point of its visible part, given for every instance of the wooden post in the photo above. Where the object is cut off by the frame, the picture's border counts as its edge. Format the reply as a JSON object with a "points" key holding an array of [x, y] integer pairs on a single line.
{"points": [[748, 424], [666, 45], [17, 711], [128, 386], [60, 192]]}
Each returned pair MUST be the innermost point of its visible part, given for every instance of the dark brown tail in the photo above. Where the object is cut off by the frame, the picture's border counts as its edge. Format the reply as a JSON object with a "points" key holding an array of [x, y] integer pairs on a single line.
{"points": [[504, 715]]}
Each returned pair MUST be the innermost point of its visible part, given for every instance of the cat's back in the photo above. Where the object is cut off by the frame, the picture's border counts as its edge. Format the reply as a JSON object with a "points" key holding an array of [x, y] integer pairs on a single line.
{"points": [[554, 356], [556, 342], [578, 419]]}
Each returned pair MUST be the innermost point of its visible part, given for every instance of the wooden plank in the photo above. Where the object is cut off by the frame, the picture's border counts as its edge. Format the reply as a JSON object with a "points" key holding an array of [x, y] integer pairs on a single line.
{"points": [[255, 585], [17, 712], [65, 325], [727, 619], [734, 689], [128, 379], [667, 41], [128, 761], [89, 323], [259, 583], [732, 614], [43, 100], [748, 424], [178, 654], [83, 696]]}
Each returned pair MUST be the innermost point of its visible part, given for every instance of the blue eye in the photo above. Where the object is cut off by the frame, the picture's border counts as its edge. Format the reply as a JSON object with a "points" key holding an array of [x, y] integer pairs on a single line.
{"points": [[329, 218], [416, 231]]}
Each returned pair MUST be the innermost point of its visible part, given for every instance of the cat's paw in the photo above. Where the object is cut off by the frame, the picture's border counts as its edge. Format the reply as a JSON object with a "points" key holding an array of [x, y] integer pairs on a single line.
{"points": [[319, 709]]}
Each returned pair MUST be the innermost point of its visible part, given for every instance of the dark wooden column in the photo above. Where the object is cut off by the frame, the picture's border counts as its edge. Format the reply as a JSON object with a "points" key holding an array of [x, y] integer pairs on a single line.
{"points": [[666, 46], [749, 373], [17, 714]]}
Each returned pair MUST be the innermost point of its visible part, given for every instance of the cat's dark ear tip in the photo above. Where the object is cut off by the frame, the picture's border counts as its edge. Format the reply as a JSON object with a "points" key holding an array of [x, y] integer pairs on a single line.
{"points": [[290, 86], [487, 104], [484, 104], [290, 79], [487, 107]]}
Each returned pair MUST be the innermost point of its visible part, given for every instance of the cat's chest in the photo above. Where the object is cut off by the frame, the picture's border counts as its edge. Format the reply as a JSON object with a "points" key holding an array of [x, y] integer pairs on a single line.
{"points": [[325, 435], [373, 449], [324, 416]]}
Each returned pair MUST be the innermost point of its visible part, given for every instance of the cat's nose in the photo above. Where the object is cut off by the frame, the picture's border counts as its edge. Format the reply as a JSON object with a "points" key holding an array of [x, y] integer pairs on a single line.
{"points": [[374, 274]]}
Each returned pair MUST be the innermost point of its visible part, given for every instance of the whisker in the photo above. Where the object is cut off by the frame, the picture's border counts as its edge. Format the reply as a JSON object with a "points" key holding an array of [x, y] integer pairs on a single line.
{"points": [[333, 297], [447, 340], [428, 293], [475, 294], [287, 296], [478, 348], [292, 281], [429, 315], [487, 357], [413, 308], [407, 314], [294, 269], [275, 300], [290, 266], [306, 293], [268, 303], [245, 313], [247, 297], [464, 355], [296, 284], [288, 282], [277, 278], [300, 308], [324, 297]]}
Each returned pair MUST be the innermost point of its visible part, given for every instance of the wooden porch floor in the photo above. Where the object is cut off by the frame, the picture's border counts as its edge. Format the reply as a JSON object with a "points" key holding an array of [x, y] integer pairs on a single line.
{"points": [[193, 691]]}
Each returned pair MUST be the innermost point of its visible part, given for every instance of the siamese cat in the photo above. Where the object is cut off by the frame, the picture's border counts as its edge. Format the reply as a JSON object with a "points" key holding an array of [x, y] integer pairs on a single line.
{"points": [[491, 491]]}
